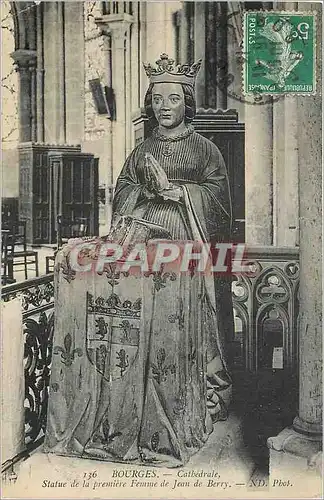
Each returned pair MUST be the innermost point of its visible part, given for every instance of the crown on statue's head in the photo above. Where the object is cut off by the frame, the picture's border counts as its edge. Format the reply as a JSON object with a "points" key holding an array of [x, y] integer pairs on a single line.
{"points": [[167, 72]]}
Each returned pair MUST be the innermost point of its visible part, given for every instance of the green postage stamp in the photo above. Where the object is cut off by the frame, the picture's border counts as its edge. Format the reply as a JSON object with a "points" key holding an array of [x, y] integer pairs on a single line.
{"points": [[279, 53]]}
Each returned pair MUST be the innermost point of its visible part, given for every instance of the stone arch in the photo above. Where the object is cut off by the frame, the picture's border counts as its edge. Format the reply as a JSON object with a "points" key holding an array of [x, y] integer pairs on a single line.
{"points": [[24, 16]]}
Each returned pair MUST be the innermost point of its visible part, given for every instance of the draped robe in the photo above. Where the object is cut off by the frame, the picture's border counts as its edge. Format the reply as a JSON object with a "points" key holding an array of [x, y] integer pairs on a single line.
{"points": [[140, 372], [192, 162]]}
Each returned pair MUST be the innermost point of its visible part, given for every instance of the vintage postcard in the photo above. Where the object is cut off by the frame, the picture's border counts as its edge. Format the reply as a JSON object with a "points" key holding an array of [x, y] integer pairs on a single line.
{"points": [[161, 240]]}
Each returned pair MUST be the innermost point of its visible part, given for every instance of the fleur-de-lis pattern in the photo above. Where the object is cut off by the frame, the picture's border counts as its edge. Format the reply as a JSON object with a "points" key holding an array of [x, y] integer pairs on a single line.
{"points": [[160, 369], [160, 279], [178, 316], [68, 354], [179, 407], [155, 439], [105, 434], [113, 276]]}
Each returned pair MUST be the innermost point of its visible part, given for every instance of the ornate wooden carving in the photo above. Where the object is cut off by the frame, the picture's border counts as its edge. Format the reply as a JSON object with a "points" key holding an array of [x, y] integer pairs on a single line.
{"points": [[267, 301]]}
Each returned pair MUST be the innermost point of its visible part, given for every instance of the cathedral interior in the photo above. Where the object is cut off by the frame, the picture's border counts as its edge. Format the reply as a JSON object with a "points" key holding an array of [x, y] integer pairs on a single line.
{"points": [[73, 88]]}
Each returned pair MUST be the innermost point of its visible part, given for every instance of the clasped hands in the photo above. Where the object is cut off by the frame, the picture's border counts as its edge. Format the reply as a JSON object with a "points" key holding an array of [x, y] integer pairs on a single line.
{"points": [[156, 181]]}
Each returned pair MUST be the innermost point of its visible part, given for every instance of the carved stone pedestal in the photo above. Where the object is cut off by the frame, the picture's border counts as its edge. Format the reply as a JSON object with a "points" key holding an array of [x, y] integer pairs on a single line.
{"points": [[295, 463]]}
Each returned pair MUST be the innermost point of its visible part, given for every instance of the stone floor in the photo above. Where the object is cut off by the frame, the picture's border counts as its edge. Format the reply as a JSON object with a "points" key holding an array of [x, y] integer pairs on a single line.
{"points": [[231, 469], [235, 457]]}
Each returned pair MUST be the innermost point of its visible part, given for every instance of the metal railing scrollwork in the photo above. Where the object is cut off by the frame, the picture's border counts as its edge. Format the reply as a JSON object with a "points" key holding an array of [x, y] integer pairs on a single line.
{"points": [[37, 302]]}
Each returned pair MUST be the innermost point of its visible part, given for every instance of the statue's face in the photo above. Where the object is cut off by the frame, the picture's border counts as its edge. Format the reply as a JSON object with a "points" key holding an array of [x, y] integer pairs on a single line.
{"points": [[168, 104]]}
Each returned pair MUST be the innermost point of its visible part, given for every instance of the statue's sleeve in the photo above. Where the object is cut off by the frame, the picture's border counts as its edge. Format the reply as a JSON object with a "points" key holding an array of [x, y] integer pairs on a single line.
{"points": [[208, 201], [128, 188], [209, 211]]}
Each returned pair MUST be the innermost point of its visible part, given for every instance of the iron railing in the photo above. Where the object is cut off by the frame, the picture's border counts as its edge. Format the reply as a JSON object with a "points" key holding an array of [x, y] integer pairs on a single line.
{"points": [[37, 302]]}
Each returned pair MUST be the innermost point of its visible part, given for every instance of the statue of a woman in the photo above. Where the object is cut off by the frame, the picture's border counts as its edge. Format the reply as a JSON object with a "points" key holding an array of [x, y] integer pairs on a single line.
{"points": [[155, 379], [195, 203]]}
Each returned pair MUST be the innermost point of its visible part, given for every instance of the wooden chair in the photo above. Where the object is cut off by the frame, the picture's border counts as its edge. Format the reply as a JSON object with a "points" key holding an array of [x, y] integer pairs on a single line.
{"points": [[9, 212], [49, 263], [7, 250], [76, 228], [24, 257]]}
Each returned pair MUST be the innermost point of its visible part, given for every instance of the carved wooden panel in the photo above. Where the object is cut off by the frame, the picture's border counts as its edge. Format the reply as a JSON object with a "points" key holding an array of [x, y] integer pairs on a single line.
{"points": [[41, 196], [34, 188], [26, 189], [223, 129], [266, 310], [74, 191]]}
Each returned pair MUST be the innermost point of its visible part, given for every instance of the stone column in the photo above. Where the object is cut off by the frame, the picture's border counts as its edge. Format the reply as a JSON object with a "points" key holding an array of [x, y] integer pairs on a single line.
{"points": [[40, 74], [143, 53], [258, 174], [129, 89], [210, 56], [24, 60], [278, 170], [285, 172], [24, 103], [118, 81], [184, 34], [74, 71], [221, 54], [61, 96], [309, 120], [234, 56], [259, 171], [285, 168], [135, 62], [159, 31], [117, 25], [107, 150], [216, 54], [199, 27], [298, 448], [54, 82], [33, 100]]}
